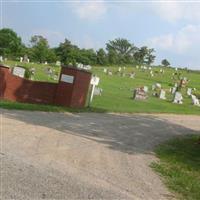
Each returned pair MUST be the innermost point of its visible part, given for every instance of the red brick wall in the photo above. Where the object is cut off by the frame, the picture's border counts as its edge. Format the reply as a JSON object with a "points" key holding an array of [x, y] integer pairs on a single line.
{"points": [[73, 94], [19, 89]]}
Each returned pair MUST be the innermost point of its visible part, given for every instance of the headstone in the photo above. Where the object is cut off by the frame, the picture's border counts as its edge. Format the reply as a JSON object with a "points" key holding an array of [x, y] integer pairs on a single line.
{"points": [[137, 67], [28, 60], [178, 98], [109, 73], [87, 67], [98, 91], [162, 94], [195, 100], [140, 94], [119, 69], [19, 71], [21, 59], [45, 62], [105, 70], [58, 63], [189, 91], [32, 70], [151, 73], [132, 75], [1, 58], [173, 90], [145, 88], [55, 77]]}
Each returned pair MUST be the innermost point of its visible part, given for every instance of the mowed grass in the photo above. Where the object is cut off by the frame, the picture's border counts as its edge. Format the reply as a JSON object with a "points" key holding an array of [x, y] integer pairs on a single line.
{"points": [[118, 91], [179, 165]]}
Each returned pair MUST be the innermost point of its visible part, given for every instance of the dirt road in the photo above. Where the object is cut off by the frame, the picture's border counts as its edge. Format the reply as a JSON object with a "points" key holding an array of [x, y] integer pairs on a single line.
{"points": [[84, 156]]}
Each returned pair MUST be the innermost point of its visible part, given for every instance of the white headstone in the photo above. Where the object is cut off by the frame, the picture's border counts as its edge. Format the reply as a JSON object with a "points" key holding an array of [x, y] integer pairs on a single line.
{"points": [[19, 71], [195, 101], [162, 94], [146, 89], [1, 58], [178, 98], [45, 63], [58, 63], [189, 91], [21, 59], [173, 90], [98, 91], [105, 70], [110, 73]]}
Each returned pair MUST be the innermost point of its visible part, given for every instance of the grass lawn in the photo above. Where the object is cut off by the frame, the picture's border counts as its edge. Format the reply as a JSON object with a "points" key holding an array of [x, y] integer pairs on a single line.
{"points": [[118, 91], [179, 166]]}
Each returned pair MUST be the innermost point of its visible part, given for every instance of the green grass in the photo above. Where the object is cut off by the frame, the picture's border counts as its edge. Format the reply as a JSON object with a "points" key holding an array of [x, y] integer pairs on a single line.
{"points": [[179, 166], [48, 108], [117, 91]]}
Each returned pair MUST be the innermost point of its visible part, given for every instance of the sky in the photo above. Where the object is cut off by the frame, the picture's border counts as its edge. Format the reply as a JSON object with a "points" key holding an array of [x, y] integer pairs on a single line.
{"points": [[172, 28]]}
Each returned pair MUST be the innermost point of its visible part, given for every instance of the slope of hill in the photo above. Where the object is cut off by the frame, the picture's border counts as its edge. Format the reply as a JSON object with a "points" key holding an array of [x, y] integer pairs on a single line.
{"points": [[118, 91]]}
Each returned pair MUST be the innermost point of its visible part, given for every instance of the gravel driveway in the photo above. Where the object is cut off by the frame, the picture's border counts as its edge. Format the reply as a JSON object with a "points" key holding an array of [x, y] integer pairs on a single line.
{"points": [[84, 156]]}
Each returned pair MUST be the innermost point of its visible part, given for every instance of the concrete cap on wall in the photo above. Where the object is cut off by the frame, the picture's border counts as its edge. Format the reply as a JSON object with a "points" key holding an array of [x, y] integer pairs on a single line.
{"points": [[5, 66]]}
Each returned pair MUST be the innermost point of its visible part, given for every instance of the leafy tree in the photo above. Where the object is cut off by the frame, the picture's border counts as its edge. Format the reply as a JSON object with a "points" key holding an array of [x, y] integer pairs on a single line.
{"points": [[10, 43], [67, 52], [112, 57], [51, 56], [40, 48], [150, 57], [101, 57], [120, 48], [165, 62]]}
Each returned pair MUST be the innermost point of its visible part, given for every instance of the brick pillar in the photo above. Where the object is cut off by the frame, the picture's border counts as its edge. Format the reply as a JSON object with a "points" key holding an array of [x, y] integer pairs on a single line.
{"points": [[73, 87], [4, 71]]}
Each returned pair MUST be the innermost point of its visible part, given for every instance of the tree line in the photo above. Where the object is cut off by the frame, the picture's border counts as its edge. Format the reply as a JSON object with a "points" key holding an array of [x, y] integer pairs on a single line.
{"points": [[117, 51]]}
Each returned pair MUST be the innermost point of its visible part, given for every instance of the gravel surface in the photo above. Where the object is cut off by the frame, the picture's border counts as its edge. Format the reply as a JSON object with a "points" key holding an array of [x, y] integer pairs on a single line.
{"points": [[84, 156]]}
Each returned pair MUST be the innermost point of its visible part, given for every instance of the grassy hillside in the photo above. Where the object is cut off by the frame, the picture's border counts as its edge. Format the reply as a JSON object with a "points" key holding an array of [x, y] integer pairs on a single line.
{"points": [[117, 91]]}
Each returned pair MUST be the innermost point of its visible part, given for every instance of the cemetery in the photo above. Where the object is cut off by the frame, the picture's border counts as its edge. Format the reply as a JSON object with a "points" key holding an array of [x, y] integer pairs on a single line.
{"points": [[127, 88]]}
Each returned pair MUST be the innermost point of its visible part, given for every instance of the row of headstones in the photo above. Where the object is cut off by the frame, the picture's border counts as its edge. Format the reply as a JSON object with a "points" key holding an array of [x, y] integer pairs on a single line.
{"points": [[82, 66], [120, 72], [3, 59], [142, 93]]}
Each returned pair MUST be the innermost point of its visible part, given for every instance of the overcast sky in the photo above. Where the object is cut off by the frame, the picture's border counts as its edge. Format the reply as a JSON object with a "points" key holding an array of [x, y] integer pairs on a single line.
{"points": [[172, 28]]}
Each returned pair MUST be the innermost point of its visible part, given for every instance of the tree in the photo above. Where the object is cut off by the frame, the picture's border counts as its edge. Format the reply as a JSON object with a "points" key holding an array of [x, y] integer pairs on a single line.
{"points": [[121, 48], [150, 57], [101, 57], [165, 62], [51, 56], [67, 52], [40, 48], [10, 43]]}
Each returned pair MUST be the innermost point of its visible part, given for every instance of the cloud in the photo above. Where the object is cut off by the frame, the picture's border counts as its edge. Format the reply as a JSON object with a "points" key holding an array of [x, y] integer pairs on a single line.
{"points": [[90, 10], [174, 11], [185, 40]]}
